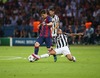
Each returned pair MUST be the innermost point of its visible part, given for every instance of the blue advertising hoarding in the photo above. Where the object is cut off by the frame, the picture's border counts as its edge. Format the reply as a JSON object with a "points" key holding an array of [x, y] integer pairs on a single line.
{"points": [[24, 41]]}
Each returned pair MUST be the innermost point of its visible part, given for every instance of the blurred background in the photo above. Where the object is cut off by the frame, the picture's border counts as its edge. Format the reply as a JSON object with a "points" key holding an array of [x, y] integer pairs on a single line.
{"points": [[80, 18]]}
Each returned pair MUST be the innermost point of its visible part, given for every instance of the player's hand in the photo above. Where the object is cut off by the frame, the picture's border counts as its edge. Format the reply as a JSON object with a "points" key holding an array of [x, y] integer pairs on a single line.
{"points": [[43, 24]]}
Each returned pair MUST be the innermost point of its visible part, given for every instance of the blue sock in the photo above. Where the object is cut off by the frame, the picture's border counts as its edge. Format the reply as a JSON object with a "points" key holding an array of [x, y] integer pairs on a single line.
{"points": [[36, 49]]}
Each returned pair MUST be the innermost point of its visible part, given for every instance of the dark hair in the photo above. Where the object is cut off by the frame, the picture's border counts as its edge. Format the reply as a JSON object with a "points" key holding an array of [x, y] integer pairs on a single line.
{"points": [[44, 11], [51, 9]]}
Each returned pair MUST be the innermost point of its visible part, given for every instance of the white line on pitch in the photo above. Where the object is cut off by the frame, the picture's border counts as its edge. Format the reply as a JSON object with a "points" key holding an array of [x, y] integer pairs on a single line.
{"points": [[10, 57]]}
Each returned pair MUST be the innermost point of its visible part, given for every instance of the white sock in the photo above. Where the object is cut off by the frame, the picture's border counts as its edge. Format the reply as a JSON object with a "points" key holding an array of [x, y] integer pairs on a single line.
{"points": [[44, 56]]}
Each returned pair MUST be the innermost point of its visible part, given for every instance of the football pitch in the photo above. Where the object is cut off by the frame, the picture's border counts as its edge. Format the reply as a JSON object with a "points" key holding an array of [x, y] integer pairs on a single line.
{"points": [[14, 63]]}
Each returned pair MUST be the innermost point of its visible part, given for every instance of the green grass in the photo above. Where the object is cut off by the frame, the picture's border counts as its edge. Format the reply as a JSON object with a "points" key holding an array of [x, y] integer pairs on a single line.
{"points": [[14, 65]]}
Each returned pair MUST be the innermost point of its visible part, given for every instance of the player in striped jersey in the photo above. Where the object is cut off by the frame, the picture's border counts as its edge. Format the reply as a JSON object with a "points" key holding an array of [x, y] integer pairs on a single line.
{"points": [[55, 26], [61, 47], [55, 20]]}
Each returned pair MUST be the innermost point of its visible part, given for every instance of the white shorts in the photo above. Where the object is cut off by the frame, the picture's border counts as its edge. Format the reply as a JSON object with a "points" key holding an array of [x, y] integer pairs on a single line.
{"points": [[63, 50]]}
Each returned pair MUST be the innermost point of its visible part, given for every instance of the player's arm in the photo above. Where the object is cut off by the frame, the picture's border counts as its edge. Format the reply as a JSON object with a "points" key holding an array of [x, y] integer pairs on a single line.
{"points": [[56, 27], [57, 24], [46, 24], [49, 24]]}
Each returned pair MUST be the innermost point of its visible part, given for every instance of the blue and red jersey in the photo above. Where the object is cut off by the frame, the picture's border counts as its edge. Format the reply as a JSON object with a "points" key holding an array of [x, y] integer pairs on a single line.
{"points": [[46, 30]]}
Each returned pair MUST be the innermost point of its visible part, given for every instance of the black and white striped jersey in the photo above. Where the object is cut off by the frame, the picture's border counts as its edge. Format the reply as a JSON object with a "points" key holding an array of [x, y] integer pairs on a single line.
{"points": [[55, 20], [61, 40]]}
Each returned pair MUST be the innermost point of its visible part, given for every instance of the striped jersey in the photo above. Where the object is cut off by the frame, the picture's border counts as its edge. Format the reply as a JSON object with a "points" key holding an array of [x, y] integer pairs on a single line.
{"points": [[55, 20], [61, 40], [46, 30]]}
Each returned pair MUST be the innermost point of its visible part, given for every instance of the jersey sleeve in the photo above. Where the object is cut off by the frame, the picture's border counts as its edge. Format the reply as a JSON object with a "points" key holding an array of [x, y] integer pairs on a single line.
{"points": [[49, 19], [57, 19]]}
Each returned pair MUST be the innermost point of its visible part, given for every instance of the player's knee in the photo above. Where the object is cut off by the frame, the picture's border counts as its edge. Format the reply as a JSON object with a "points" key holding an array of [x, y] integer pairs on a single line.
{"points": [[50, 49], [37, 44]]}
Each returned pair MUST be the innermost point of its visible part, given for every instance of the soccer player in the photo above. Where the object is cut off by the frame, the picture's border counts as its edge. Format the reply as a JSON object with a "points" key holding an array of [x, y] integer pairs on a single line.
{"points": [[55, 26], [55, 20], [61, 47], [45, 33]]}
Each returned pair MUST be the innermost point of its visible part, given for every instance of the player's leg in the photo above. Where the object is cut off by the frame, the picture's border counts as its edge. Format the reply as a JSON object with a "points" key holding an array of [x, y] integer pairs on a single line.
{"points": [[71, 58], [38, 42], [55, 58], [51, 52], [53, 42], [36, 48], [48, 42], [67, 53], [34, 55]]}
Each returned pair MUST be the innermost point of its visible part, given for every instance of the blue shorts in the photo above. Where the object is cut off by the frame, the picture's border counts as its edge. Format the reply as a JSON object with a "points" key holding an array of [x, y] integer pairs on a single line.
{"points": [[47, 40]]}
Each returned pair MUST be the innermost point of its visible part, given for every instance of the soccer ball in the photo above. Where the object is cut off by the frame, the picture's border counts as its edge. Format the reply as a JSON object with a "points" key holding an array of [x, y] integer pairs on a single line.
{"points": [[31, 58]]}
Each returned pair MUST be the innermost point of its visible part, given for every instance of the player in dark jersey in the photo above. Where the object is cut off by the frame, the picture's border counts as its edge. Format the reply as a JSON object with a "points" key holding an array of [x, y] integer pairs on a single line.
{"points": [[45, 33]]}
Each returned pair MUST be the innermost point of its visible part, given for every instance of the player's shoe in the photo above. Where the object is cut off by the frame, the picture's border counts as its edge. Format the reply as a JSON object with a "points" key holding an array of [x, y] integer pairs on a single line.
{"points": [[74, 59], [55, 58], [36, 56]]}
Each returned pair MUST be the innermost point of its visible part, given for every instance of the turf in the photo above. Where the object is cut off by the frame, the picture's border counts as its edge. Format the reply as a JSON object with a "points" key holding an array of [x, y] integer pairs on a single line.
{"points": [[14, 63]]}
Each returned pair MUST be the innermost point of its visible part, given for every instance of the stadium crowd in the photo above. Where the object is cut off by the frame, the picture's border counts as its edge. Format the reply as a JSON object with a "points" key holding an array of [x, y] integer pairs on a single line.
{"points": [[79, 18]]}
